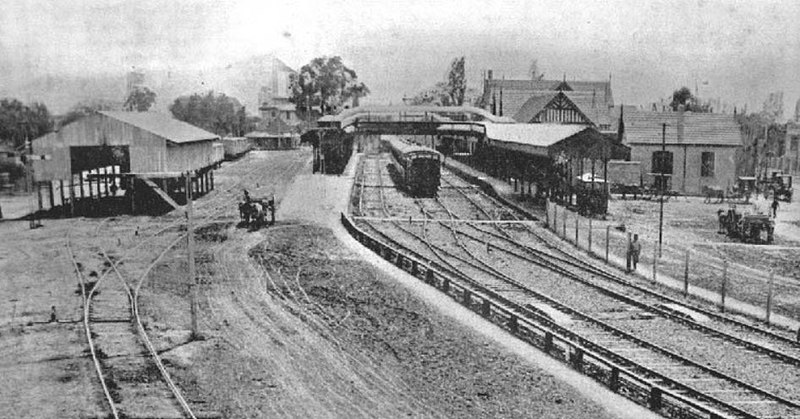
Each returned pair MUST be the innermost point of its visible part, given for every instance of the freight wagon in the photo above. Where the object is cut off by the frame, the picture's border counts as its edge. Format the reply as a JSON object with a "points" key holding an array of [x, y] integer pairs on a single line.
{"points": [[235, 147]]}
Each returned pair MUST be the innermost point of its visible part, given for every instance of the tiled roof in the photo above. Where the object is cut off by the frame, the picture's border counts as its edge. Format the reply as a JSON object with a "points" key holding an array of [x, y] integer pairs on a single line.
{"points": [[163, 126], [643, 127], [588, 103], [516, 93], [533, 106], [537, 135], [597, 110]]}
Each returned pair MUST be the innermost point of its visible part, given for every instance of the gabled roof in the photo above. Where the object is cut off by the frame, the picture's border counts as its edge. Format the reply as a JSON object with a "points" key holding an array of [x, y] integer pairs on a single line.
{"points": [[163, 126], [642, 127], [533, 106], [597, 112], [516, 93]]}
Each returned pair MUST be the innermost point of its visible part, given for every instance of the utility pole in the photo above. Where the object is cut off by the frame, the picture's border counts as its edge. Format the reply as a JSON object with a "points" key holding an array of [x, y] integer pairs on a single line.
{"points": [[662, 184], [190, 253]]}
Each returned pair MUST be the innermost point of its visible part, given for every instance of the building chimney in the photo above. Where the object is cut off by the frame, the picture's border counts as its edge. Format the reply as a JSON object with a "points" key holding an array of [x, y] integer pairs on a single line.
{"points": [[680, 123]]}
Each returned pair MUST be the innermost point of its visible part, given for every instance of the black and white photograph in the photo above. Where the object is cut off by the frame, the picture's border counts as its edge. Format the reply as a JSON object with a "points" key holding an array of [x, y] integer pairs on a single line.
{"points": [[400, 209]]}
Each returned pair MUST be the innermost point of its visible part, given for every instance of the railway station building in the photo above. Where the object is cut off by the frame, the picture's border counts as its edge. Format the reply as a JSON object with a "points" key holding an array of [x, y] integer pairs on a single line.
{"points": [[123, 162], [588, 103]]}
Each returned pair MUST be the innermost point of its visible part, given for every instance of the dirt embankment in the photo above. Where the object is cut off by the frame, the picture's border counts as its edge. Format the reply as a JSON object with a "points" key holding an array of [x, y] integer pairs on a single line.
{"points": [[309, 330]]}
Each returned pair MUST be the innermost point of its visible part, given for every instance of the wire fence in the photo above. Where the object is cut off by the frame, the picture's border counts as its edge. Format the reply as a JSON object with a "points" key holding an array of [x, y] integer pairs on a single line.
{"points": [[680, 265]]}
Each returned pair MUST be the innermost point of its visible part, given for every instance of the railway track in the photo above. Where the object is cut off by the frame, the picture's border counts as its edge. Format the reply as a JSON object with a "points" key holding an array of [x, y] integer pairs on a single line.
{"points": [[722, 391], [110, 305], [771, 342]]}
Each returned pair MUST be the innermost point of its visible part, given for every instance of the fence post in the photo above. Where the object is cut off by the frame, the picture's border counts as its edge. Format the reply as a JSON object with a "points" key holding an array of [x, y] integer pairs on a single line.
{"points": [[628, 261], [769, 296], [724, 290], [608, 236], [655, 261], [547, 212], [554, 227], [564, 226], [686, 275], [577, 220], [590, 234]]}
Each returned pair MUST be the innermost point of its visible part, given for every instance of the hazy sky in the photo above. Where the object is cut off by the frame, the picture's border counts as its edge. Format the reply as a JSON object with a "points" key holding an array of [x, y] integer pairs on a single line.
{"points": [[743, 49]]}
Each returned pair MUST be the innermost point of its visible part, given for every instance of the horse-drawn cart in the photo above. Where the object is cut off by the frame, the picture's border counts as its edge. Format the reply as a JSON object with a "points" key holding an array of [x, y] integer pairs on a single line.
{"points": [[255, 213]]}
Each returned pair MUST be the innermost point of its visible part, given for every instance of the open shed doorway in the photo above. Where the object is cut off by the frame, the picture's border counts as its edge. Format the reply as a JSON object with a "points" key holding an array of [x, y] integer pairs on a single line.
{"points": [[103, 194]]}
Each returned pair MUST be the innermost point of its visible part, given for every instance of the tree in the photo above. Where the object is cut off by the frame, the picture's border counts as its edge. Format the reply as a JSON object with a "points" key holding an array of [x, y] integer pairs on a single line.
{"points": [[140, 99], [81, 109], [456, 81], [19, 122], [682, 96], [325, 82], [436, 96], [220, 114], [357, 91]]}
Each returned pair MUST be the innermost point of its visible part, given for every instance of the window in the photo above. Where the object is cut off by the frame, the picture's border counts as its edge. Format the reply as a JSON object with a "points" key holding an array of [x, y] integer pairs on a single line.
{"points": [[707, 164], [662, 162]]}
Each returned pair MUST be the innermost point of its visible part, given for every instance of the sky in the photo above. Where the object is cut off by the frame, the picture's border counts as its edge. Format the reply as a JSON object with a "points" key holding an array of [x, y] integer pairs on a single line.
{"points": [[738, 51]]}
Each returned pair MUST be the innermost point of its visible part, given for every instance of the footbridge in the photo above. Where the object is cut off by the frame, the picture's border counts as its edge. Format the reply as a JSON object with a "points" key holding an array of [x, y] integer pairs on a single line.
{"points": [[413, 120]]}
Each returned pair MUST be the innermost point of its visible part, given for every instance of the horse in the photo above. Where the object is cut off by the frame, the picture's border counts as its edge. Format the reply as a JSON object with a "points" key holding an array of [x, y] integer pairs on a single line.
{"points": [[711, 192]]}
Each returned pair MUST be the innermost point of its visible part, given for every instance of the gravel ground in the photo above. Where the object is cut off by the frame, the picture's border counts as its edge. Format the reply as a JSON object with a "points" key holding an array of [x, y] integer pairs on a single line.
{"points": [[451, 371]]}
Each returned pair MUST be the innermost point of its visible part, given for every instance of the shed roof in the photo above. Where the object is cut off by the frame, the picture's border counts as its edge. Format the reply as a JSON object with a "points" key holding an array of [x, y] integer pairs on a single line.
{"points": [[570, 140], [537, 135], [642, 127], [163, 126]]}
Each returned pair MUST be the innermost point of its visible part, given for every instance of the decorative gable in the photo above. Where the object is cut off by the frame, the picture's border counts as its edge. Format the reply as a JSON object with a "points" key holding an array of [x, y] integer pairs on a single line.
{"points": [[561, 110]]}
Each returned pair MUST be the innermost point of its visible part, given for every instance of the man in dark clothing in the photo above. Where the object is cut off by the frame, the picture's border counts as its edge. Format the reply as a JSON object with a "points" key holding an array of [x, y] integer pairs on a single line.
{"points": [[774, 207], [636, 249]]}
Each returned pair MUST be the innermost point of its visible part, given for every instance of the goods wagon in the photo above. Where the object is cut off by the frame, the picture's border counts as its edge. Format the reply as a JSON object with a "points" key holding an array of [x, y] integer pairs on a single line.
{"points": [[418, 167], [235, 147]]}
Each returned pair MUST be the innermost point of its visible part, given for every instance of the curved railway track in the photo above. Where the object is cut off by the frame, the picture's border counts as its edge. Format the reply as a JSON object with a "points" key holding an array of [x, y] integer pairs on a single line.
{"points": [[719, 389], [110, 315]]}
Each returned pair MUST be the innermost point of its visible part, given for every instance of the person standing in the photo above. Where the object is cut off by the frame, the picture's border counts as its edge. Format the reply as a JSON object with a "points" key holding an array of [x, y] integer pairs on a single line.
{"points": [[775, 207], [636, 249]]}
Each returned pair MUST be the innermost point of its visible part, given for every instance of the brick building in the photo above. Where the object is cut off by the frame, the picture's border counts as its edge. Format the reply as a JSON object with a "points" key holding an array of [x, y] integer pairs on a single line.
{"points": [[701, 148]]}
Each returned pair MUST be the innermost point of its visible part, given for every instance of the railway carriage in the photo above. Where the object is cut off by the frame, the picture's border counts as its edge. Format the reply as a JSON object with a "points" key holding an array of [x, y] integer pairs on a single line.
{"points": [[419, 167]]}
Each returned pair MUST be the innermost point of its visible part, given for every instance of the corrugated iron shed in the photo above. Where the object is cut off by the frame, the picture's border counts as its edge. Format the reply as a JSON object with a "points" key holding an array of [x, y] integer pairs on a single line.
{"points": [[163, 126], [144, 142]]}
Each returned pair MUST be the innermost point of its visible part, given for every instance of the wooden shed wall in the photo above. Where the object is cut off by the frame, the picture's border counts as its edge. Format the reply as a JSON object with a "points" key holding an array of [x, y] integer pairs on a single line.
{"points": [[189, 156], [148, 152]]}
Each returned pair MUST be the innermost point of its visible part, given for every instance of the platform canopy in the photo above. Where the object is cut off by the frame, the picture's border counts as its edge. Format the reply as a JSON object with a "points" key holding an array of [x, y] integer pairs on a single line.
{"points": [[549, 140]]}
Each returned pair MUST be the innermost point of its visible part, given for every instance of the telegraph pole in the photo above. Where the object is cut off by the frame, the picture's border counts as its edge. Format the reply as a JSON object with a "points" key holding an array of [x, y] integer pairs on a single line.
{"points": [[661, 186], [190, 253]]}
